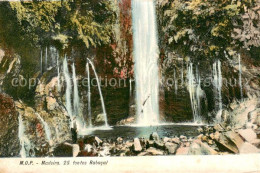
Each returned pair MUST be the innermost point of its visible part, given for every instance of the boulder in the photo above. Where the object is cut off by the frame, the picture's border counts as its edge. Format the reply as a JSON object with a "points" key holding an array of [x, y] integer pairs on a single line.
{"points": [[182, 150], [98, 141], [63, 150], [229, 141], [119, 140], [154, 136], [176, 140], [171, 147], [256, 142], [137, 145], [154, 151], [75, 150], [247, 134], [166, 139], [100, 119], [200, 148], [248, 148], [159, 145]]}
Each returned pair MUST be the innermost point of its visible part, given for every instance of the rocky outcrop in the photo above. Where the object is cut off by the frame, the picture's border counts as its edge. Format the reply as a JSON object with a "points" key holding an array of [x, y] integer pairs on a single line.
{"points": [[9, 141]]}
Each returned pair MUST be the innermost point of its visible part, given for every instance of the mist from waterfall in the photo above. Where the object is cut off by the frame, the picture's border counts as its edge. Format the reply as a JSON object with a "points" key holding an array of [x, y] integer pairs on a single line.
{"points": [[21, 137], [146, 53], [68, 88], [46, 127], [195, 92], [217, 85], [100, 92]]}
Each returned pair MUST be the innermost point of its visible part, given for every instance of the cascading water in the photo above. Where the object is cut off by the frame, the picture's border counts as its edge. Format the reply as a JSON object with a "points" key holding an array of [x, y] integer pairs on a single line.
{"points": [[100, 93], [130, 87], [89, 96], [21, 137], [195, 93], [217, 84], [76, 101], [75, 91], [240, 76], [146, 66], [46, 128], [68, 88]]}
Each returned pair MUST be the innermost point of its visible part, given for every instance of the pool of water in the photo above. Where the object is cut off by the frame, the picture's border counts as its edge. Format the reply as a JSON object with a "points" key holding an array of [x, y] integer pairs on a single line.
{"points": [[130, 132]]}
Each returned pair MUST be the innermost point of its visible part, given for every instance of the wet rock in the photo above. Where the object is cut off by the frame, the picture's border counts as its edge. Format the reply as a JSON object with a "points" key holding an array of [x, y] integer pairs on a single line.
{"points": [[200, 130], [247, 134], [154, 151], [137, 145], [171, 147], [248, 148], [230, 141], [100, 119], [127, 121], [154, 136], [200, 148]]}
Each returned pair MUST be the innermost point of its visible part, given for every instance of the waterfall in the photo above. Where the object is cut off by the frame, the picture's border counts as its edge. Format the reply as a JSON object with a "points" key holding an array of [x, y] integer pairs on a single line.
{"points": [[130, 87], [58, 69], [195, 92], [21, 137], [89, 96], [75, 91], [68, 88], [146, 56], [46, 128], [240, 76], [100, 93], [217, 84]]}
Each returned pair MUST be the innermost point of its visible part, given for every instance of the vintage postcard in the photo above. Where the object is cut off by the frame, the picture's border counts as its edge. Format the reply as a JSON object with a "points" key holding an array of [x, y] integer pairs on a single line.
{"points": [[129, 86]]}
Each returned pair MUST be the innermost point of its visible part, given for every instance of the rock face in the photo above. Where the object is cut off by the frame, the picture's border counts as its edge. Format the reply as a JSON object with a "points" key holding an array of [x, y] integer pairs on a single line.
{"points": [[9, 141]]}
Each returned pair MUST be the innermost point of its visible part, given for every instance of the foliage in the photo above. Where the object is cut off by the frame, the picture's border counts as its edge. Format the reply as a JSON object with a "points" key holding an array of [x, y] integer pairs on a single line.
{"points": [[203, 29], [66, 22]]}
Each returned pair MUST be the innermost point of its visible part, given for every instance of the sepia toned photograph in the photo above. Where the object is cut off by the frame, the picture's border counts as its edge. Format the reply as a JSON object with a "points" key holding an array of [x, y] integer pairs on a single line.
{"points": [[128, 79]]}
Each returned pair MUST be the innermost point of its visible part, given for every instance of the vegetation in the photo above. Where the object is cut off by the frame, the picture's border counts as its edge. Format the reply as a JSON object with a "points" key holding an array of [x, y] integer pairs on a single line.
{"points": [[205, 29]]}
